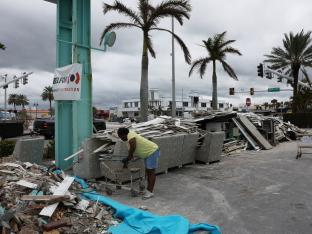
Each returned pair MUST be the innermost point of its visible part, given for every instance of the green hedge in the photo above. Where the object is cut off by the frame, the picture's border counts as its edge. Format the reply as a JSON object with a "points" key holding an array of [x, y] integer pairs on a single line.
{"points": [[301, 120], [6, 148]]}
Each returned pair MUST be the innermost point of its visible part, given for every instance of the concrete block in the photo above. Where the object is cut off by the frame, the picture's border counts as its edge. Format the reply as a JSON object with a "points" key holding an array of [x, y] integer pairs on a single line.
{"points": [[214, 127], [121, 148], [211, 149], [190, 142], [29, 150], [87, 164]]}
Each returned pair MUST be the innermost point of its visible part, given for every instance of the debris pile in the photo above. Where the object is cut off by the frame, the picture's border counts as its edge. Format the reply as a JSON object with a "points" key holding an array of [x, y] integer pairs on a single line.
{"points": [[37, 199], [284, 131], [234, 146]]}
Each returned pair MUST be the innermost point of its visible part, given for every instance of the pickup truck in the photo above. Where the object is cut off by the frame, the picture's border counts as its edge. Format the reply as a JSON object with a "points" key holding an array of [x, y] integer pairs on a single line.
{"points": [[45, 127]]}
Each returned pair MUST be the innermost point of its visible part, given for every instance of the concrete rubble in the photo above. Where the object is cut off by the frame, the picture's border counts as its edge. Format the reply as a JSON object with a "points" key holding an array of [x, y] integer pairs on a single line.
{"points": [[27, 189]]}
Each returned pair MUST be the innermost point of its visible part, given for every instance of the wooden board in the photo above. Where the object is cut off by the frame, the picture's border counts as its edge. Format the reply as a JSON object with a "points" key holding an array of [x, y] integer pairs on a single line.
{"points": [[60, 190], [254, 132], [246, 134]]}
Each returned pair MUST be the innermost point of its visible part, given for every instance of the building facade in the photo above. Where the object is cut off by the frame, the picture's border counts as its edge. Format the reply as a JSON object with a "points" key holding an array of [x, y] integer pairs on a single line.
{"points": [[159, 105]]}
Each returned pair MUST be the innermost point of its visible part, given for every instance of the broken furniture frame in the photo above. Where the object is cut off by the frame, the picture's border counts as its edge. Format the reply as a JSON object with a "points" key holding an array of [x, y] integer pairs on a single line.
{"points": [[110, 188]]}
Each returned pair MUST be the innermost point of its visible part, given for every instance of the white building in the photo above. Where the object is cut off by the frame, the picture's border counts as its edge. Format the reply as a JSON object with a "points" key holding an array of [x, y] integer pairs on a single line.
{"points": [[162, 105]]}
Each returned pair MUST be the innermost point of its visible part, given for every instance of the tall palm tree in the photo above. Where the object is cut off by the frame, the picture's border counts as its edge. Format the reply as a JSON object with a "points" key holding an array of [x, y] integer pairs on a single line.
{"points": [[217, 48], [22, 100], [13, 100], [2, 47], [293, 57], [47, 94], [147, 18]]}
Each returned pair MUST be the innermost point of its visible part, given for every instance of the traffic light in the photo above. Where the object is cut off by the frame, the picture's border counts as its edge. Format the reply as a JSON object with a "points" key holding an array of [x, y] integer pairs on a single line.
{"points": [[232, 91], [260, 70], [252, 91], [268, 75], [16, 84], [25, 80]]}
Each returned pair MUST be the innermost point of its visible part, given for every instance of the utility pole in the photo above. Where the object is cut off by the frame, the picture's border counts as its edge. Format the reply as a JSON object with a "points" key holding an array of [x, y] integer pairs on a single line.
{"points": [[5, 94], [173, 107]]}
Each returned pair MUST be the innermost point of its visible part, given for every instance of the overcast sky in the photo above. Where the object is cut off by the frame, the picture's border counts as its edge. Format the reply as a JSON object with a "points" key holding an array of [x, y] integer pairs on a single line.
{"points": [[28, 29]]}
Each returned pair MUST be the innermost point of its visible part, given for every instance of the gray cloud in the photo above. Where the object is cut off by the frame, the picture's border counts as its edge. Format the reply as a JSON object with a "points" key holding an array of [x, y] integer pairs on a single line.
{"points": [[28, 30]]}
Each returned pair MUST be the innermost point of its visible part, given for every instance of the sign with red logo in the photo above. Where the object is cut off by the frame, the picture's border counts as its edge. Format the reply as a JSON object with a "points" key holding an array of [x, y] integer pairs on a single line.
{"points": [[67, 82], [248, 102]]}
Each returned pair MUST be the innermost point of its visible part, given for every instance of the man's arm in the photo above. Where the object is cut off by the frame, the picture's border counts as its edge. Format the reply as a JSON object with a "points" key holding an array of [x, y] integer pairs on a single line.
{"points": [[132, 144]]}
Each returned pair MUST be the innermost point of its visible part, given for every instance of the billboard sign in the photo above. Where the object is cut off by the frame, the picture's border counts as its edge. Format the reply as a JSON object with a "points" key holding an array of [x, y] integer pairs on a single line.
{"points": [[67, 82]]}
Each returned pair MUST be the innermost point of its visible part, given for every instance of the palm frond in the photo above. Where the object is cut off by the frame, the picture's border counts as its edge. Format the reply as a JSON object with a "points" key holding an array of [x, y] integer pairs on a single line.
{"points": [[122, 9], [229, 70], [2, 47], [170, 8], [116, 26], [198, 63], [231, 50], [187, 55], [150, 46]]}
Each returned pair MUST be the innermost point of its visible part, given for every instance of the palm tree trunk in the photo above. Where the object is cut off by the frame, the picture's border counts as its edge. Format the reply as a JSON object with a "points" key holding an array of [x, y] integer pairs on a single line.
{"points": [[144, 82], [214, 87], [50, 108], [295, 92]]}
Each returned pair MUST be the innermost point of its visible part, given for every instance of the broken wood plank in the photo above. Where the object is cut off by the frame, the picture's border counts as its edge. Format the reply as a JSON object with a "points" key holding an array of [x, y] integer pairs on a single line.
{"points": [[255, 133], [60, 190], [26, 184], [73, 155], [54, 225], [45, 198]]}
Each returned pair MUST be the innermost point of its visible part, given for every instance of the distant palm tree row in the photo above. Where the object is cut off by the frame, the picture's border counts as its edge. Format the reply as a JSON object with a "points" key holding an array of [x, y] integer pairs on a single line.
{"points": [[22, 100], [18, 100]]}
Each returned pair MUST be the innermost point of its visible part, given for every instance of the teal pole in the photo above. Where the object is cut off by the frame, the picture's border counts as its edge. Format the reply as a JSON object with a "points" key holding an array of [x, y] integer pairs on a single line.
{"points": [[73, 119]]}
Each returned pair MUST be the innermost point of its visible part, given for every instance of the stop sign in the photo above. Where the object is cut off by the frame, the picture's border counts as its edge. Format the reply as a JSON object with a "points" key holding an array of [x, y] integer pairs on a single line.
{"points": [[248, 101]]}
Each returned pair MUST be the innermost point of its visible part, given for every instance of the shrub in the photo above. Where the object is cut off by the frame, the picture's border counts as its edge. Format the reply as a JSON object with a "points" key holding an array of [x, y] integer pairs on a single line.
{"points": [[6, 148], [49, 151]]}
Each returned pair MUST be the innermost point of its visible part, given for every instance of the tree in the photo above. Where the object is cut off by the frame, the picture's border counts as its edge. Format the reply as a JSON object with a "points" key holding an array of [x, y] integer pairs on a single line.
{"points": [[22, 100], [47, 94], [266, 105], [274, 103], [294, 57], [147, 19], [217, 48], [2, 47], [13, 100]]}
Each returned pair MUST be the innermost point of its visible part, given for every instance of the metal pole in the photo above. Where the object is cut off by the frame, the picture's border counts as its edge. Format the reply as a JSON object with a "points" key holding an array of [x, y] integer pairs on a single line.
{"points": [[5, 96], [173, 73]]}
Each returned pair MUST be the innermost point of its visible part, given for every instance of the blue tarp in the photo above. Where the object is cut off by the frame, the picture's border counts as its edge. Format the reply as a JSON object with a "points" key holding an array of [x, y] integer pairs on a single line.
{"points": [[136, 221]]}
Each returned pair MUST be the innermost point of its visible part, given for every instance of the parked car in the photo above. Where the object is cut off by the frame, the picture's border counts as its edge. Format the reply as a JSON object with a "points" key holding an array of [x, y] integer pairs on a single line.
{"points": [[46, 127]]}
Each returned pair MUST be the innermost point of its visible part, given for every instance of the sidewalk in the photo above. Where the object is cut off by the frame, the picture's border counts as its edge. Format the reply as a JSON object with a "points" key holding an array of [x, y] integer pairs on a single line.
{"points": [[253, 192]]}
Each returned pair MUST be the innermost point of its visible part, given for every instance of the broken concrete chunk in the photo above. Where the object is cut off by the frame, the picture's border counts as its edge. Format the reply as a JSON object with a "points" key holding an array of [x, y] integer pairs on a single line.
{"points": [[26, 184]]}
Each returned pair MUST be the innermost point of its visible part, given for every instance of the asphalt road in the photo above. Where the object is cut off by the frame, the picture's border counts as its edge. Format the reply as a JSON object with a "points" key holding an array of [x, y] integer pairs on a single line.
{"points": [[253, 192]]}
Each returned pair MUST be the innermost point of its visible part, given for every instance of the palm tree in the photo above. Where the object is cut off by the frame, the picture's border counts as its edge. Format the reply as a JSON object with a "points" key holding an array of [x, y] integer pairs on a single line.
{"points": [[217, 48], [22, 100], [2, 47], [147, 19], [47, 94], [13, 100], [274, 102], [294, 57]]}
